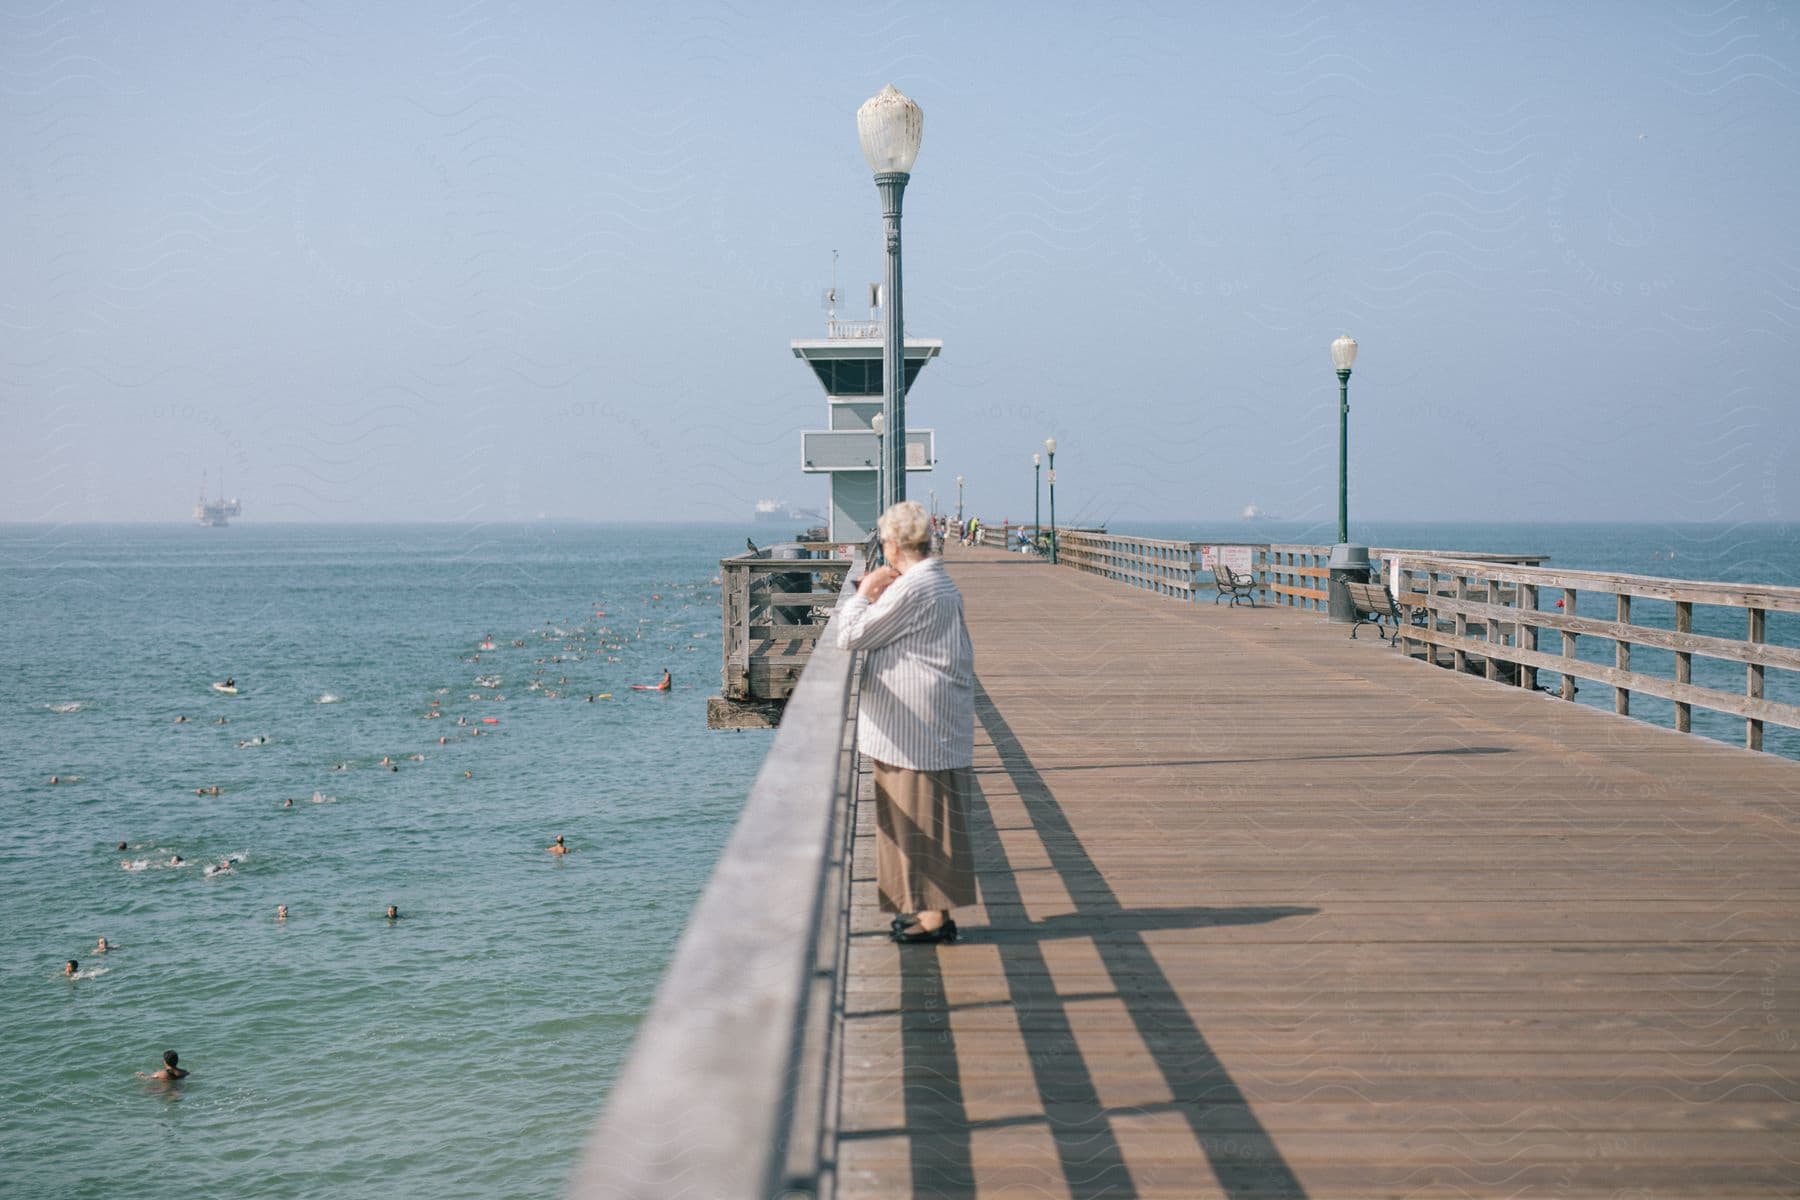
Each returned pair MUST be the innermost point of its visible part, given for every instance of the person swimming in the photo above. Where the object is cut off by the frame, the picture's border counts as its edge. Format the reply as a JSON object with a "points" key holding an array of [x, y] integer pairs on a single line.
{"points": [[288, 803], [101, 946], [71, 968], [393, 912], [557, 846], [281, 912], [171, 1069]]}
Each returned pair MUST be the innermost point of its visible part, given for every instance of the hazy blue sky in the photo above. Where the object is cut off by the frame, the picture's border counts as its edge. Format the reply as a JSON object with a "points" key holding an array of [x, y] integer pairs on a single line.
{"points": [[478, 261]]}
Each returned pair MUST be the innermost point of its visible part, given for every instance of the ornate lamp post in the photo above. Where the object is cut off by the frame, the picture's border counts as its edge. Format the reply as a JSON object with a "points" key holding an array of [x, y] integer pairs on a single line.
{"points": [[959, 487], [1050, 449], [1348, 562], [1037, 499], [1343, 357], [890, 126]]}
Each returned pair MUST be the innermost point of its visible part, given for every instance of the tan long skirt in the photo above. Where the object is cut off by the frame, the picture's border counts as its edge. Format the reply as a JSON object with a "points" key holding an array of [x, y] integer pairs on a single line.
{"points": [[922, 858]]}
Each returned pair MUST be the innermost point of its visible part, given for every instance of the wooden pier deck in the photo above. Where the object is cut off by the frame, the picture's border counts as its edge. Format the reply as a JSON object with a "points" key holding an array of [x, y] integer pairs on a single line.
{"points": [[1267, 912]]}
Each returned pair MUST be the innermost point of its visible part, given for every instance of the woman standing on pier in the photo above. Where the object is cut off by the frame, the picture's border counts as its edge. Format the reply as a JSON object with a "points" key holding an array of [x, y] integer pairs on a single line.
{"points": [[917, 724]]}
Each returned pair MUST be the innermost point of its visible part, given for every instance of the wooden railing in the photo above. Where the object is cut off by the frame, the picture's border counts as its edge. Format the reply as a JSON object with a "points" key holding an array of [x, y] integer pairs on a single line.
{"points": [[774, 610], [1169, 568], [730, 1090], [1297, 575], [1491, 617]]}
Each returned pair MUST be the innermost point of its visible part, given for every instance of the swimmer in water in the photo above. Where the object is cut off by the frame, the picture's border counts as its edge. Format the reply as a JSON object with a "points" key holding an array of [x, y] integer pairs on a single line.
{"points": [[668, 681], [171, 1069], [557, 846], [122, 846], [288, 803], [281, 912], [54, 780], [393, 913], [100, 947], [177, 861], [181, 720], [70, 967]]}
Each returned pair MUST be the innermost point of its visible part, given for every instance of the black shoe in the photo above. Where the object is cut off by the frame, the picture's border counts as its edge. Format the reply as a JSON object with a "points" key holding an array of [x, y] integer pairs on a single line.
{"points": [[901, 921], [912, 937]]}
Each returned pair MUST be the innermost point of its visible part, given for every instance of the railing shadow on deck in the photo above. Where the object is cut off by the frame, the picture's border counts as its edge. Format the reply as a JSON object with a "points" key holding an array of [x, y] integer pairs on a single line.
{"points": [[1243, 1157]]}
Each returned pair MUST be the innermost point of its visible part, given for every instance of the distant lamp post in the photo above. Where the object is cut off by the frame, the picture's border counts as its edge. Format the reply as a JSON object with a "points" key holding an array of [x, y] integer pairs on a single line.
{"points": [[1050, 449], [890, 126], [878, 424], [1037, 500], [1349, 563], [959, 487]]}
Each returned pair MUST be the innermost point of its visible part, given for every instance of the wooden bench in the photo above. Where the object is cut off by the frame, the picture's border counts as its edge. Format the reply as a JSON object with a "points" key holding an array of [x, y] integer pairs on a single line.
{"points": [[1374, 604], [1230, 583]]}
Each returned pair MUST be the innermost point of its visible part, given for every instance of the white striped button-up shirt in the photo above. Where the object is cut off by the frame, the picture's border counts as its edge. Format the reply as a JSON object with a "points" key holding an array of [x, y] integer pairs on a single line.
{"points": [[918, 690]]}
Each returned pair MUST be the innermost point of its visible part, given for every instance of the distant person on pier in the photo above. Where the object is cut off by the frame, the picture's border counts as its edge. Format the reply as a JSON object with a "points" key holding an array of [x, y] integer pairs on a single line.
{"points": [[917, 724]]}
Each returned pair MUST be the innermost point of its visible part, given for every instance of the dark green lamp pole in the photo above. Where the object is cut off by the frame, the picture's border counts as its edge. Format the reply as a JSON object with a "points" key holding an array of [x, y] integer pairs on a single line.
{"points": [[1050, 449], [889, 127], [1348, 563], [1343, 357], [1037, 500]]}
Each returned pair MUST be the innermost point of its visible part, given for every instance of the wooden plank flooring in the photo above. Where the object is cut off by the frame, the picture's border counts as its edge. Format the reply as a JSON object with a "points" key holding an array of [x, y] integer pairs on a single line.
{"points": [[1267, 912]]}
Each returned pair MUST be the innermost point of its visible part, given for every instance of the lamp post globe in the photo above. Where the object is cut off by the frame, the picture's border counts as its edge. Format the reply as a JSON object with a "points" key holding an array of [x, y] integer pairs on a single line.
{"points": [[890, 127], [1349, 563]]}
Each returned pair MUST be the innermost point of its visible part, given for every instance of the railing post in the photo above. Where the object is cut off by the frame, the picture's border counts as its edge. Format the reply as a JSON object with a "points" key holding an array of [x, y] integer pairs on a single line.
{"points": [[1753, 677], [1684, 665], [1568, 643], [1461, 623], [1491, 588], [1527, 639], [1622, 655]]}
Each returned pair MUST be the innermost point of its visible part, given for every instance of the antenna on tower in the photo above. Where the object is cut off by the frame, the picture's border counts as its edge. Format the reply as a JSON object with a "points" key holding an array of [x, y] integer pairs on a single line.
{"points": [[831, 295]]}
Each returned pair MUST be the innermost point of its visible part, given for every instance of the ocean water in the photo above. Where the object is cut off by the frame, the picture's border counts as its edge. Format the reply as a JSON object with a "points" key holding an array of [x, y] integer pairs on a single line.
{"points": [[463, 1050]]}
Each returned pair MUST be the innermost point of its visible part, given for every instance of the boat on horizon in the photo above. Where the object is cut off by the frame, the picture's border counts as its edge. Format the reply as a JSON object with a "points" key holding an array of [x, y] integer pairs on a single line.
{"points": [[216, 514]]}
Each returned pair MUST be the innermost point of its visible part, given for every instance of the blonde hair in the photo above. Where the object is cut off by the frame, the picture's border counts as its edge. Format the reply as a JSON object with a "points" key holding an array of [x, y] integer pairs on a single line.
{"points": [[909, 525]]}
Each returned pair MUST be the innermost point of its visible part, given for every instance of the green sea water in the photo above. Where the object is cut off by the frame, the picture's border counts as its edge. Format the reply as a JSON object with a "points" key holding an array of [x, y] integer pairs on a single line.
{"points": [[462, 1050]]}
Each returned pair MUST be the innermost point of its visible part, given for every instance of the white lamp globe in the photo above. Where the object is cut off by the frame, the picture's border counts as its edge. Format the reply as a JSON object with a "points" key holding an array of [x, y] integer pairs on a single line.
{"points": [[1343, 353], [890, 126], [1050, 445]]}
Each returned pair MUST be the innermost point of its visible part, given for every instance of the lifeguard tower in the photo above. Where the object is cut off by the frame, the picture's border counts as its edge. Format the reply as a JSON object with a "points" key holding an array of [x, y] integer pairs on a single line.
{"points": [[847, 361]]}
